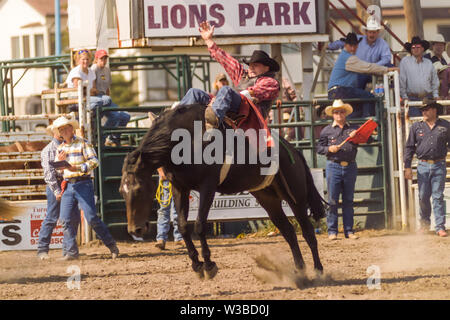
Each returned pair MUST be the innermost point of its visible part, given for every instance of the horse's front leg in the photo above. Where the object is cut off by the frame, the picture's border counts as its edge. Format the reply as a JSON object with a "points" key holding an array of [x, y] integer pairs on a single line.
{"points": [[181, 199], [207, 193]]}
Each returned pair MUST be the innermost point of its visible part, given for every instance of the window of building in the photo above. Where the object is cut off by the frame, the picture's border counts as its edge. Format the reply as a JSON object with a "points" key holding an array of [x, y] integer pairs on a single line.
{"points": [[111, 13], [15, 48], [26, 46], [39, 45]]}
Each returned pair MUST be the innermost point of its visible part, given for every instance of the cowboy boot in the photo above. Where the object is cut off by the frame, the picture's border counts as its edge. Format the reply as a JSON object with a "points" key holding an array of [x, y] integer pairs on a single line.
{"points": [[211, 120]]}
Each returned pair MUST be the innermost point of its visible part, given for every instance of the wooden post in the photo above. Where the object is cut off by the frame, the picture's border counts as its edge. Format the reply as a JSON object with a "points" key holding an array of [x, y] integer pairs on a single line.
{"points": [[414, 20], [276, 55]]}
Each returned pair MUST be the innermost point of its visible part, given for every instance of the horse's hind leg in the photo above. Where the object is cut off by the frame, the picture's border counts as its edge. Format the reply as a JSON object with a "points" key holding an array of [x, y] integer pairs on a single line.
{"points": [[269, 200], [301, 214], [181, 199], [206, 198]]}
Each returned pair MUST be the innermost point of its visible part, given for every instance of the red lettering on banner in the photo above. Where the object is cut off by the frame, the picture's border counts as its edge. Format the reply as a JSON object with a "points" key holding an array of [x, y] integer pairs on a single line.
{"points": [[179, 15], [214, 12], [280, 10], [263, 15]]}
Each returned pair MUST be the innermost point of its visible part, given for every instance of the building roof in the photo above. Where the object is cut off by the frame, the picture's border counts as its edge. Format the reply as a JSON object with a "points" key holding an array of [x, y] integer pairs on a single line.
{"points": [[47, 7]]}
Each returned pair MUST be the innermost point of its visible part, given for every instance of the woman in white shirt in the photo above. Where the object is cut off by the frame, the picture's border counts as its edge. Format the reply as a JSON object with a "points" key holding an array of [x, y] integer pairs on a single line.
{"points": [[82, 71]]}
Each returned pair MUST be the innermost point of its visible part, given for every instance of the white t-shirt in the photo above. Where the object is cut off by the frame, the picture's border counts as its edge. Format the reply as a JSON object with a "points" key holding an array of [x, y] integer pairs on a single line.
{"points": [[77, 73]]}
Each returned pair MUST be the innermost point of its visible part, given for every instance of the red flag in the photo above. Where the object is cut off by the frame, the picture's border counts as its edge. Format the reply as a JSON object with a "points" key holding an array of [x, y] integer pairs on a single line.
{"points": [[363, 133]]}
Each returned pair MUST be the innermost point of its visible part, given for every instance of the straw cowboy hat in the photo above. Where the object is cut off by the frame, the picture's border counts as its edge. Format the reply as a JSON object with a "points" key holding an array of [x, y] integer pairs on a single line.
{"points": [[337, 105], [440, 67], [63, 121], [438, 38], [416, 40], [372, 25], [49, 130]]}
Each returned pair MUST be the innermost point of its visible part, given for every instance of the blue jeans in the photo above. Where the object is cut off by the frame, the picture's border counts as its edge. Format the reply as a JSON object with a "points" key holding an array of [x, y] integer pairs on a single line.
{"points": [[113, 118], [340, 180], [226, 100], [363, 110], [431, 181], [81, 194], [164, 215], [50, 220]]}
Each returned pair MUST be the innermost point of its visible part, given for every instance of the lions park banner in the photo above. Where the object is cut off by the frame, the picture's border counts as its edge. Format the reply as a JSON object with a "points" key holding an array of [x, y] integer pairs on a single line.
{"points": [[181, 18], [243, 206], [22, 233]]}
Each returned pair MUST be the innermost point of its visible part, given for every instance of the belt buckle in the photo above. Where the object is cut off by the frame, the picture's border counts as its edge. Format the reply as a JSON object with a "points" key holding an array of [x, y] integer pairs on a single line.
{"points": [[430, 161], [344, 163]]}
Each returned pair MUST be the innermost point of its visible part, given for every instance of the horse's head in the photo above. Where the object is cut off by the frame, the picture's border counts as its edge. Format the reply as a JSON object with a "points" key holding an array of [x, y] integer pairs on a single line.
{"points": [[138, 190]]}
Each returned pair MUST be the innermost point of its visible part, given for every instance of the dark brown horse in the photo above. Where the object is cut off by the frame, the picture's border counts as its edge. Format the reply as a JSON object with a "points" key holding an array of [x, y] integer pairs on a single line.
{"points": [[293, 183]]}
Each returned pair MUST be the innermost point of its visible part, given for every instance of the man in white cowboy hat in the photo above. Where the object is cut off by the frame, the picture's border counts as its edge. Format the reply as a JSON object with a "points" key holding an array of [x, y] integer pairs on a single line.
{"points": [[53, 178], [418, 77], [372, 48], [440, 63], [341, 169], [79, 190]]}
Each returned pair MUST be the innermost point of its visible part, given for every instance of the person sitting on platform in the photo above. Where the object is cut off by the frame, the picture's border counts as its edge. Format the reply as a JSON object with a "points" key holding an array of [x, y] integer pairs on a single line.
{"points": [[372, 48], [344, 77], [258, 80], [103, 82]]}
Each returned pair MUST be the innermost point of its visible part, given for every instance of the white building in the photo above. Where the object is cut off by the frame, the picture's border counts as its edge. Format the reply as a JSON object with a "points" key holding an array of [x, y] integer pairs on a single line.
{"points": [[27, 31]]}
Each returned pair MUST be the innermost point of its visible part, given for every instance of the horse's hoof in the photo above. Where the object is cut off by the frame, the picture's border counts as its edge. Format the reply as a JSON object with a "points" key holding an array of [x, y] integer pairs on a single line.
{"points": [[198, 269], [211, 271]]}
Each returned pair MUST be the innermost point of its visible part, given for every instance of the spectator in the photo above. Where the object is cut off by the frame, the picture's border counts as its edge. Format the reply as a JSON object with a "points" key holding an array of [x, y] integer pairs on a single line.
{"points": [[344, 77], [258, 82], [440, 64], [166, 213], [82, 159], [53, 178], [372, 48], [102, 97], [341, 168], [82, 72], [220, 81], [429, 139], [418, 78]]}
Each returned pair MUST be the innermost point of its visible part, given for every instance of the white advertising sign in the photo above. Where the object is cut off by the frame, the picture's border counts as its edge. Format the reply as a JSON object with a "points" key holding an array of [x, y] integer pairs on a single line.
{"points": [[22, 233], [181, 18], [242, 205]]}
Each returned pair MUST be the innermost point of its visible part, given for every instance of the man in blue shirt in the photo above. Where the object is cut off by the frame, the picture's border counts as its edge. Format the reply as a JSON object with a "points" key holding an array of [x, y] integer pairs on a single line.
{"points": [[429, 140], [372, 48], [344, 77]]}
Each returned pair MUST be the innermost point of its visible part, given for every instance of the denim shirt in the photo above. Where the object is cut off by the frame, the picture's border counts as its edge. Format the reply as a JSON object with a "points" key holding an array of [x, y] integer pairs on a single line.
{"points": [[427, 143], [334, 135]]}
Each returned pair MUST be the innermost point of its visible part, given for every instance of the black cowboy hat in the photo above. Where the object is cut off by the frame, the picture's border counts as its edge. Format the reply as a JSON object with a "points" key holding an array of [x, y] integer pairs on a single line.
{"points": [[416, 40], [351, 38], [262, 57], [430, 103]]}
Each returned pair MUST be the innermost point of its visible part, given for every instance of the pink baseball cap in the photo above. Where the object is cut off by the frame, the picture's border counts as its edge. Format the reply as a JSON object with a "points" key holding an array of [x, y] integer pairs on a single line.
{"points": [[101, 53]]}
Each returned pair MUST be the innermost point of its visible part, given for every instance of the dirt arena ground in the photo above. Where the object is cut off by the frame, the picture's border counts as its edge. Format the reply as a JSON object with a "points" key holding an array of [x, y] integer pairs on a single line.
{"points": [[408, 267]]}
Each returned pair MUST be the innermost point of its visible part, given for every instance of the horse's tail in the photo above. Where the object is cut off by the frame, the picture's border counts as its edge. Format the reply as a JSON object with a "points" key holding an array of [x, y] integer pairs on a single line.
{"points": [[8, 211], [315, 200]]}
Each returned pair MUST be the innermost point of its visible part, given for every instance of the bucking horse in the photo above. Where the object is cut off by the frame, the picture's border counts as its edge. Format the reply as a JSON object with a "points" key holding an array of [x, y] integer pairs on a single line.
{"points": [[292, 183]]}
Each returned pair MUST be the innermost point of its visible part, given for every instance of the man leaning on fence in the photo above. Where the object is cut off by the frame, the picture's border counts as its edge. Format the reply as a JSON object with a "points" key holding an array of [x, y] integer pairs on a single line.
{"points": [[418, 77], [429, 140]]}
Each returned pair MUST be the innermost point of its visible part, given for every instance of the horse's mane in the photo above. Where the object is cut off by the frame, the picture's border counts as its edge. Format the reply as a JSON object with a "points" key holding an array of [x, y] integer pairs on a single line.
{"points": [[157, 141]]}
